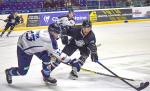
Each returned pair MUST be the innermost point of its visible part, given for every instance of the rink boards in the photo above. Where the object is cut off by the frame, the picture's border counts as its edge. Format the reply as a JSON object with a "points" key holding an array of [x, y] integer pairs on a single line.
{"points": [[33, 21]]}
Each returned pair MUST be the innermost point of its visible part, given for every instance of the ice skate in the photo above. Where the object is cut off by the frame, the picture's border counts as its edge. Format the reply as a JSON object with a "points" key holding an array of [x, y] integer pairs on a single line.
{"points": [[73, 75], [8, 76], [50, 80], [1, 35]]}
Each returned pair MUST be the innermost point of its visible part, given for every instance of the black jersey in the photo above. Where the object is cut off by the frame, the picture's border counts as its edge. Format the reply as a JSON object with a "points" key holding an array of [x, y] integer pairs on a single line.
{"points": [[17, 20], [11, 19], [79, 40]]}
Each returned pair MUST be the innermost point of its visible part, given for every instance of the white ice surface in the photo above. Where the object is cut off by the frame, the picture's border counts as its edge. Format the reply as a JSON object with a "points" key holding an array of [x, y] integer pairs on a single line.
{"points": [[125, 50]]}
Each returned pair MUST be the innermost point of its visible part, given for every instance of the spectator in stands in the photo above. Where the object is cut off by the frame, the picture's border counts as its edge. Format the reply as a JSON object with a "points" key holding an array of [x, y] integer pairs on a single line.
{"points": [[68, 3], [147, 3], [1, 1], [120, 3], [61, 3], [129, 3], [49, 4]]}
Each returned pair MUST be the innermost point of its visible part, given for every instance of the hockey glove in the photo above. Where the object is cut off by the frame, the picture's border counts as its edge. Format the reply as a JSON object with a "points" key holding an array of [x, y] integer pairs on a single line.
{"points": [[64, 39], [64, 29], [6, 20], [94, 57]]}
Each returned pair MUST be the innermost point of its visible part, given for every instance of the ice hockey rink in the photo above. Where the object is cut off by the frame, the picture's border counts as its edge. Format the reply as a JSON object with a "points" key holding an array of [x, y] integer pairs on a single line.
{"points": [[125, 49]]}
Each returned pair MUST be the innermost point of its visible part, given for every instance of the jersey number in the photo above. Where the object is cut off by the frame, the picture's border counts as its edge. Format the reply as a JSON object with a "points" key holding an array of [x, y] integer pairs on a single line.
{"points": [[31, 36]]}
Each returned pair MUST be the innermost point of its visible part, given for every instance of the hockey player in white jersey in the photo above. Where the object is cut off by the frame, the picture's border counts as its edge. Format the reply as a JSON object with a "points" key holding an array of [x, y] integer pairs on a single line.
{"points": [[66, 20], [41, 44]]}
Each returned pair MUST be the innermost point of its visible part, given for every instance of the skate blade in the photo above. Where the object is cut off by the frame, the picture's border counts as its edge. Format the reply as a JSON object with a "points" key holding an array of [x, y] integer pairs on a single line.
{"points": [[51, 84], [73, 78]]}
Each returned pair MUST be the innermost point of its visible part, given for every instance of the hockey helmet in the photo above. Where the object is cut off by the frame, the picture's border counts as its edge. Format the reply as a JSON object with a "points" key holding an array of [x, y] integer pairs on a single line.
{"points": [[70, 11], [54, 27], [86, 23]]}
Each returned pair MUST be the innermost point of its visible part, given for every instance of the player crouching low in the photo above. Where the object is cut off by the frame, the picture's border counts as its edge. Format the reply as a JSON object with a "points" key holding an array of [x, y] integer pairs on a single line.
{"points": [[42, 44], [83, 39]]}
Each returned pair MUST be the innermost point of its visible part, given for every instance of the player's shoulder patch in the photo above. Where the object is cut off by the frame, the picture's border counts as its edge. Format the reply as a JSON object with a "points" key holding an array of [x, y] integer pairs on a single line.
{"points": [[92, 42]]}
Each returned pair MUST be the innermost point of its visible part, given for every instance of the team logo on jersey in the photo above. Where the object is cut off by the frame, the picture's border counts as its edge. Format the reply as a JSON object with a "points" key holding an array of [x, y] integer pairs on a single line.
{"points": [[46, 19], [79, 43]]}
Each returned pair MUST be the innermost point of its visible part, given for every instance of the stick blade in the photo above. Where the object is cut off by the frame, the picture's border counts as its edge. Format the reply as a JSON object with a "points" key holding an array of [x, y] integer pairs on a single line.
{"points": [[143, 86]]}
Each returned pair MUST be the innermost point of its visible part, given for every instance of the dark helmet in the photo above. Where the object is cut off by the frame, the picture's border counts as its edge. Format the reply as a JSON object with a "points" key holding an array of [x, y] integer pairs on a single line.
{"points": [[54, 27], [70, 11], [86, 23]]}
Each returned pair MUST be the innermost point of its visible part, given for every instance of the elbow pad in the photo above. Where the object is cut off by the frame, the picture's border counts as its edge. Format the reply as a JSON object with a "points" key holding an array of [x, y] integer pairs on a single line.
{"points": [[64, 39]]}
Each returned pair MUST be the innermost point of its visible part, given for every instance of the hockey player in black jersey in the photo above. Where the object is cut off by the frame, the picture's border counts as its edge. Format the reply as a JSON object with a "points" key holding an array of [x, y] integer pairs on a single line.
{"points": [[12, 21], [82, 38]]}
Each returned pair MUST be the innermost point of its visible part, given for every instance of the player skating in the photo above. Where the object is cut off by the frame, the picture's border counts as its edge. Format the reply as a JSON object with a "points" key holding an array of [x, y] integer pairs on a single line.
{"points": [[83, 39], [66, 20], [12, 20], [42, 44]]}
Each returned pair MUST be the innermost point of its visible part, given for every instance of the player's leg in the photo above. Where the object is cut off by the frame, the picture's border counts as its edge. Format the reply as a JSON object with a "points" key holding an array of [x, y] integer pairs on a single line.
{"points": [[48, 65], [69, 49], [11, 29], [78, 63], [47, 69], [24, 61], [6, 27]]}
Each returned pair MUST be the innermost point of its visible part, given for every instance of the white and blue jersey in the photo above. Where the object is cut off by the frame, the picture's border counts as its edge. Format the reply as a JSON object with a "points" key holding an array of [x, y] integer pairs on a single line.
{"points": [[66, 21], [39, 43], [32, 42]]}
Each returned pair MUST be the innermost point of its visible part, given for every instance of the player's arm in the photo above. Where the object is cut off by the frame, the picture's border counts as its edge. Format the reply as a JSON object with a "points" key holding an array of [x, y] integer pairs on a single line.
{"points": [[70, 22], [93, 49], [57, 54], [47, 43], [17, 20], [8, 18], [66, 31], [65, 21]]}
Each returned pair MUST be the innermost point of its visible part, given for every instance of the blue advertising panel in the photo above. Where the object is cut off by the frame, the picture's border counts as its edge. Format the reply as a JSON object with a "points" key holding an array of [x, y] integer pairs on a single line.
{"points": [[80, 16], [48, 18]]}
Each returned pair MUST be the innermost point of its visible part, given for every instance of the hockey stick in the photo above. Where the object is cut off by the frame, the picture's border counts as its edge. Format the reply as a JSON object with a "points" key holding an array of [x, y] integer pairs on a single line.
{"points": [[1, 19], [141, 87], [98, 45], [105, 74]]}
